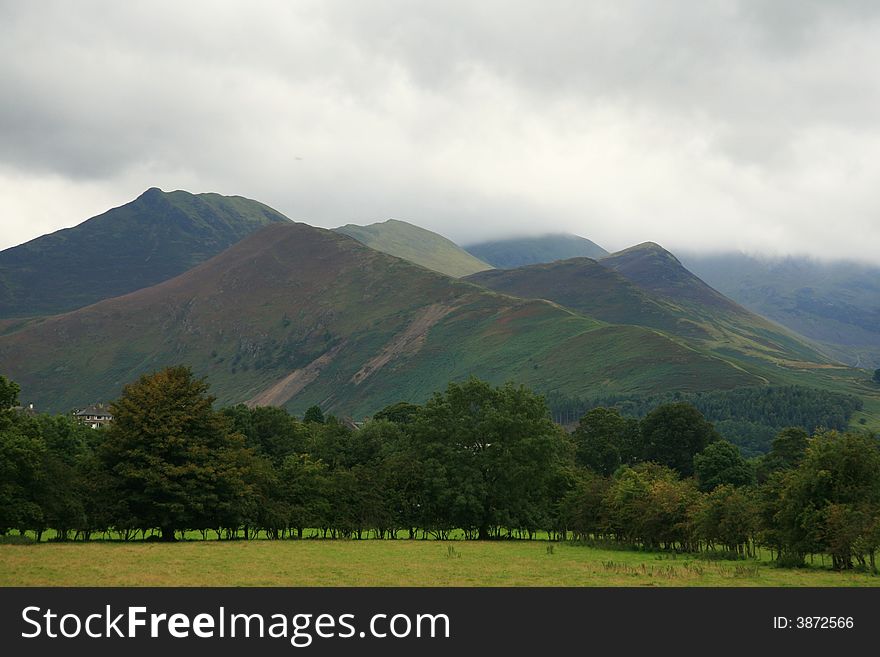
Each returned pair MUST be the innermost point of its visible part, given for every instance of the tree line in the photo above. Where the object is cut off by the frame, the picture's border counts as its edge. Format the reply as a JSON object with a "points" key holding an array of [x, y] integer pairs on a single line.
{"points": [[748, 417], [477, 460]]}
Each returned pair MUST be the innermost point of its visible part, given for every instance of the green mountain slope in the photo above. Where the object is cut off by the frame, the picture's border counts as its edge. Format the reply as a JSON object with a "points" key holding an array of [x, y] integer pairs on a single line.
{"points": [[584, 285], [417, 245], [517, 252], [834, 303], [664, 295], [731, 328], [294, 315], [151, 239]]}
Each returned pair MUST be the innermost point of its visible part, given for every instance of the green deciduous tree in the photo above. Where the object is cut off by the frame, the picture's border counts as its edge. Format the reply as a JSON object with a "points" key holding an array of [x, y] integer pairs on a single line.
{"points": [[831, 502], [172, 458], [489, 454], [269, 430], [399, 413], [721, 463], [647, 504], [604, 440], [673, 433], [8, 394], [728, 516], [314, 414]]}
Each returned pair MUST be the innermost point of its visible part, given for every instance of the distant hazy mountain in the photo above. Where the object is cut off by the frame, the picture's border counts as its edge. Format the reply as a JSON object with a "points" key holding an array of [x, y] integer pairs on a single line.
{"points": [[294, 316], [517, 252], [417, 245], [836, 303], [151, 239]]}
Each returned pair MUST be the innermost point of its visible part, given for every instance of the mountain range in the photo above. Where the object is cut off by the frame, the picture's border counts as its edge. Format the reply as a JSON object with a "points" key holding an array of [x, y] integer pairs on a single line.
{"points": [[294, 315], [364, 316]]}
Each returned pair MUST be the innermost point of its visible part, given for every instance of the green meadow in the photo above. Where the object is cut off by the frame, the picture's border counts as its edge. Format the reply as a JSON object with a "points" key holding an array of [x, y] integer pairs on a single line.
{"points": [[388, 563]]}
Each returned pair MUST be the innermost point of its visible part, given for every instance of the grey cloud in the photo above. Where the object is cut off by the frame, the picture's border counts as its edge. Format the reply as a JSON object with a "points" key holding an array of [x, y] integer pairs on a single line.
{"points": [[620, 121]]}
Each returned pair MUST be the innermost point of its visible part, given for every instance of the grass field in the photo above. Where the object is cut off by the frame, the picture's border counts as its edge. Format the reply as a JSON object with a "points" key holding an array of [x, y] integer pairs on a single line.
{"points": [[385, 563]]}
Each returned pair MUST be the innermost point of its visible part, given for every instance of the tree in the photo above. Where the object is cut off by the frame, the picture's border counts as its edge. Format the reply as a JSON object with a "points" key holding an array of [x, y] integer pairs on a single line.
{"points": [[581, 507], [789, 446], [489, 454], [399, 413], [604, 440], [648, 504], [721, 463], [830, 503], [728, 516], [314, 414], [22, 454], [8, 394], [786, 452], [269, 430], [174, 462], [61, 495], [672, 434]]}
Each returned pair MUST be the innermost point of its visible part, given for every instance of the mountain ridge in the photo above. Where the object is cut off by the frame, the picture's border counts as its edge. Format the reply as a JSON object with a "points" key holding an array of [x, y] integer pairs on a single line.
{"points": [[152, 238]]}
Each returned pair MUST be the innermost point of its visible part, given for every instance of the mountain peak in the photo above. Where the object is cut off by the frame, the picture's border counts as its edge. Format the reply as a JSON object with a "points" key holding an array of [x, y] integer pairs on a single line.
{"points": [[148, 240], [150, 194], [656, 270]]}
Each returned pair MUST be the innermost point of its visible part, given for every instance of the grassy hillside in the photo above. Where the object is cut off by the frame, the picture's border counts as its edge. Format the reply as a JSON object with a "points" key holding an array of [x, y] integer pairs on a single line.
{"points": [[520, 251], [151, 239], [584, 285], [417, 245], [295, 315], [836, 303], [730, 328], [647, 286]]}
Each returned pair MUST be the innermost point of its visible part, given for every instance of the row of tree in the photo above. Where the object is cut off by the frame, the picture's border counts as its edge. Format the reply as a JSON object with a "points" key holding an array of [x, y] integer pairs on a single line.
{"points": [[748, 417], [483, 460]]}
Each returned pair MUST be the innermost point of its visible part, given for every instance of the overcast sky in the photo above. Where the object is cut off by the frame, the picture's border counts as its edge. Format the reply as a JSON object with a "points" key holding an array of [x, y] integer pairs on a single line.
{"points": [[698, 125]]}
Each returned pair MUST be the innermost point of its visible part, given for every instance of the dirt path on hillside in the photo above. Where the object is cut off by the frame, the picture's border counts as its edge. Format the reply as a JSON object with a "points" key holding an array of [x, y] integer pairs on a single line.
{"points": [[285, 389], [407, 342]]}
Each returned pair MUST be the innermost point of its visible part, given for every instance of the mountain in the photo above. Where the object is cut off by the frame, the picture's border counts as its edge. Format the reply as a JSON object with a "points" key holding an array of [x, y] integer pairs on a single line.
{"points": [[648, 286], [517, 252], [584, 285], [151, 239], [417, 245], [834, 303], [655, 270], [730, 326], [294, 315]]}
